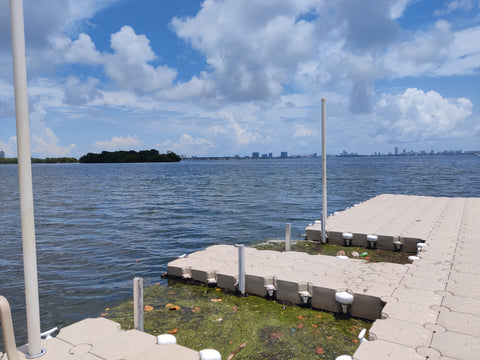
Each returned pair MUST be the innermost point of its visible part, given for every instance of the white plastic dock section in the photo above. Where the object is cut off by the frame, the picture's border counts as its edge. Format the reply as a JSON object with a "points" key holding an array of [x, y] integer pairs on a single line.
{"points": [[426, 310], [290, 274], [99, 338]]}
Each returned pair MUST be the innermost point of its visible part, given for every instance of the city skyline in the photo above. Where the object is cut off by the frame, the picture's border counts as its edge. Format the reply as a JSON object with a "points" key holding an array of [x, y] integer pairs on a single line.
{"points": [[227, 77], [285, 154]]}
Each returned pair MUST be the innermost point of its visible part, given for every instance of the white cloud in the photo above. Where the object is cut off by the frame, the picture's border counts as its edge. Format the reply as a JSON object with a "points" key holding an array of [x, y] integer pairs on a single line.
{"points": [[257, 50], [44, 95], [252, 47], [303, 131], [46, 144], [45, 92], [416, 116], [476, 130], [428, 47], [127, 100], [458, 5], [82, 51], [197, 87], [119, 143], [129, 65], [420, 55], [368, 24], [242, 134], [77, 93], [399, 6], [438, 51], [7, 106], [9, 147], [463, 57], [361, 96], [47, 23], [188, 145], [44, 141]]}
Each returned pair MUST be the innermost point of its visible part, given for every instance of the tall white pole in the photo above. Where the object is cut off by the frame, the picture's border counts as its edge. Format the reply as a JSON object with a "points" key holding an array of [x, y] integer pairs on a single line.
{"points": [[25, 179], [324, 172]]}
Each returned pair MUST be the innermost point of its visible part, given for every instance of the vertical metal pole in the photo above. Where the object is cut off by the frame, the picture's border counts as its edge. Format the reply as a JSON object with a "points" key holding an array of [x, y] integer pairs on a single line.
{"points": [[324, 172], [138, 303], [25, 179], [241, 268], [288, 236]]}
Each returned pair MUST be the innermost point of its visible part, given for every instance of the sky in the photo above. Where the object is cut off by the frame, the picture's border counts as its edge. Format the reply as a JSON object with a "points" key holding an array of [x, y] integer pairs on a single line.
{"points": [[232, 77]]}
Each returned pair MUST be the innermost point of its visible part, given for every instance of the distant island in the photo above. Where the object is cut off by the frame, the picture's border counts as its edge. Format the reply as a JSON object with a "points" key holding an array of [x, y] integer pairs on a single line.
{"points": [[130, 157], [60, 160]]}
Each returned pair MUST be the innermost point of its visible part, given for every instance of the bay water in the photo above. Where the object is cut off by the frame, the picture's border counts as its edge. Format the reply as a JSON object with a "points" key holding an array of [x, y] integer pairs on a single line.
{"points": [[100, 225]]}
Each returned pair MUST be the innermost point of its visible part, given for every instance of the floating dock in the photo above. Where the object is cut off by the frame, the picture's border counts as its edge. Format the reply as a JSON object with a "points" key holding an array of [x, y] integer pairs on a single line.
{"points": [[429, 309]]}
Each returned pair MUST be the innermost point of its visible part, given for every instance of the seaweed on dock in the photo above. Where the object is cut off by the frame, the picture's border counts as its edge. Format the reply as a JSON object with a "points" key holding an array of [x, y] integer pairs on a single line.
{"points": [[242, 327]]}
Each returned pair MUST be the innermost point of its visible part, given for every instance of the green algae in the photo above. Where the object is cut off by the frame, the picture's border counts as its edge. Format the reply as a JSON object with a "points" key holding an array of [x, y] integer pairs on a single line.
{"points": [[247, 327], [251, 327], [316, 247]]}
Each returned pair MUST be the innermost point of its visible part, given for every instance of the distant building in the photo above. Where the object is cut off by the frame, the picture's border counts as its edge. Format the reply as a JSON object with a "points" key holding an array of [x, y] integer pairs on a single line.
{"points": [[284, 154], [396, 150], [255, 155], [270, 155], [264, 156], [2, 155]]}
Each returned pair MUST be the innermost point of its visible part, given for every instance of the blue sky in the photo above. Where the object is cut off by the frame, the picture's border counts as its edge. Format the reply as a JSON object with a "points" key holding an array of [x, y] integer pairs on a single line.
{"points": [[236, 76]]}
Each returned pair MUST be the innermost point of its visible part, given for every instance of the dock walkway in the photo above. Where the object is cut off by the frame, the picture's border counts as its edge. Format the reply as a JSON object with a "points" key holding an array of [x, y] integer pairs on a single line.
{"points": [[426, 310]]}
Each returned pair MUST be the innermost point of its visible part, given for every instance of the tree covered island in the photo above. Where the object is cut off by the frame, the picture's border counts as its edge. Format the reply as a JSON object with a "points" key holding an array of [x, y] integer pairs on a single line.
{"points": [[130, 157]]}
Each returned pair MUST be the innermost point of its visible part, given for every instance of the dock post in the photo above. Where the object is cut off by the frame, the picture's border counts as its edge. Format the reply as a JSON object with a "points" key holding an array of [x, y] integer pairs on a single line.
{"points": [[288, 236], [241, 268], [138, 303], [324, 236], [324, 172]]}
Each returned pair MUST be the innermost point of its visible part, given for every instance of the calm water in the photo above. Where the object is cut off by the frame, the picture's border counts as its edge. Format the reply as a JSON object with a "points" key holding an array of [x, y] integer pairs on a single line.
{"points": [[100, 225]]}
